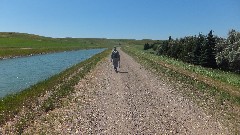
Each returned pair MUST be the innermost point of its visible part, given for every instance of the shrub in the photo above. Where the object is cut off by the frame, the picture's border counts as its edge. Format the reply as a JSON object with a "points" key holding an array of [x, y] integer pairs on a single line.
{"points": [[229, 58], [146, 46]]}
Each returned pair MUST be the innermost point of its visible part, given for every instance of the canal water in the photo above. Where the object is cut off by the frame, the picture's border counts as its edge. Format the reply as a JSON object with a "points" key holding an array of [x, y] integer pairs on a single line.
{"points": [[20, 73]]}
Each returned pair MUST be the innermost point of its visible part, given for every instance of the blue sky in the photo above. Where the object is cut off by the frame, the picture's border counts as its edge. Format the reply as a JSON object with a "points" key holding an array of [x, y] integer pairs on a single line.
{"points": [[138, 19]]}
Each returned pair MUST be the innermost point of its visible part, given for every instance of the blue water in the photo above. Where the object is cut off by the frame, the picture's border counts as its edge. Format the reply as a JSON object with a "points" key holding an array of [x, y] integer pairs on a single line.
{"points": [[20, 73]]}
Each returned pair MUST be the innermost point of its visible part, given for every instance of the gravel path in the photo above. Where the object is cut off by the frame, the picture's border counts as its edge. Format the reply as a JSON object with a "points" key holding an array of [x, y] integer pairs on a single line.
{"points": [[133, 101]]}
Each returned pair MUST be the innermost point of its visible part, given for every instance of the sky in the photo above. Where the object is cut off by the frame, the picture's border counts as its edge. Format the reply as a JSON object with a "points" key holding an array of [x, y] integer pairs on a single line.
{"points": [[121, 19]]}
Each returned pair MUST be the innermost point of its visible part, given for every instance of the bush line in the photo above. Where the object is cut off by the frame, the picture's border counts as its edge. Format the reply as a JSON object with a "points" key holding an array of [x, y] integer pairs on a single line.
{"points": [[163, 67], [215, 101]]}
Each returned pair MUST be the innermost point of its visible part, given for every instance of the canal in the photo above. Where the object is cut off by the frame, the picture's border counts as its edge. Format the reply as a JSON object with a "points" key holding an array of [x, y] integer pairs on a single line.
{"points": [[20, 73]]}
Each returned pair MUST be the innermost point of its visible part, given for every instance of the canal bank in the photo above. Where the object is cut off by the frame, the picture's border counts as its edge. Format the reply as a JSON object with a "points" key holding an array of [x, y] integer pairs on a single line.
{"points": [[20, 73], [46, 95]]}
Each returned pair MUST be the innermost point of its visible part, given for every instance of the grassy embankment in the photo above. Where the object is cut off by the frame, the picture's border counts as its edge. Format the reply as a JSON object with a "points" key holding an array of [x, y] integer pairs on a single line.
{"points": [[20, 44], [216, 91], [58, 86]]}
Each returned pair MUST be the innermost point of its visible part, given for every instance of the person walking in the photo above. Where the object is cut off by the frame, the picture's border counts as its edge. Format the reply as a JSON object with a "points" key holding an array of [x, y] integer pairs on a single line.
{"points": [[115, 59]]}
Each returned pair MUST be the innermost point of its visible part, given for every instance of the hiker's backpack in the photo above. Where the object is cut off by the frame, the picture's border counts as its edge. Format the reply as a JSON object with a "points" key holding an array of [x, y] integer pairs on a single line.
{"points": [[115, 54]]}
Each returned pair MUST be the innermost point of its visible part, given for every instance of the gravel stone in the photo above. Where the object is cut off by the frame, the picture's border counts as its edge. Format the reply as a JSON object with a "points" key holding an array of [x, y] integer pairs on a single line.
{"points": [[133, 101]]}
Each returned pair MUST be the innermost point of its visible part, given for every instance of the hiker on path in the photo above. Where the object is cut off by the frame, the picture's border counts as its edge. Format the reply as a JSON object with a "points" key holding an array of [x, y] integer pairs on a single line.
{"points": [[115, 59]]}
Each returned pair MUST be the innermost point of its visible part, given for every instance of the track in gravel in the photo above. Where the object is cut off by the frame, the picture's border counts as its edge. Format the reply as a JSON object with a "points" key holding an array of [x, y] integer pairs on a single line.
{"points": [[133, 101]]}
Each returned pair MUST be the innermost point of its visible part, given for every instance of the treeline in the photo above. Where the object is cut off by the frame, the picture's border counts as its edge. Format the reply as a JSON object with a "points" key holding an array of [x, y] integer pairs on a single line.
{"points": [[206, 50]]}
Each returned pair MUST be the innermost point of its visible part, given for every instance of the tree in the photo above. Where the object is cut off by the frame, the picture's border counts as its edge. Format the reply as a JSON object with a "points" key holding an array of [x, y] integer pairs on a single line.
{"points": [[233, 36], [208, 52], [163, 48], [146, 46], [155, 46], [175, 51], [197, 50], [229, 58]]}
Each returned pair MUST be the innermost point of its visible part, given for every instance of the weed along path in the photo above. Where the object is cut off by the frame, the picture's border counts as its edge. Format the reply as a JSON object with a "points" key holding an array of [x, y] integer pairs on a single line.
{"points": [[133, 101]]}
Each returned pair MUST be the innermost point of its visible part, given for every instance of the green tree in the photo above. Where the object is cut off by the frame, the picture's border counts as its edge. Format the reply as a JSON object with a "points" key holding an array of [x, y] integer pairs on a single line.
{"points": [[176, 50], [155, 46], [146, 46], [163, 48], [187, 46], [197, 50], [232, 36], [208, 52], [229, 58]]}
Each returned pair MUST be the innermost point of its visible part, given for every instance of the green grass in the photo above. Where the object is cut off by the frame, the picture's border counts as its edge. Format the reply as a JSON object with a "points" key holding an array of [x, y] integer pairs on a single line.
{"points": [[215, 101], [226, 77], [20, 44], [11, 105]]}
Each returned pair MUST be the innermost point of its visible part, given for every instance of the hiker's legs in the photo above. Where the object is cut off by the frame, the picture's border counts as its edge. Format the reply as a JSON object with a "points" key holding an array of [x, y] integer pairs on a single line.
{"points": [[115, 64], [115, 68]]}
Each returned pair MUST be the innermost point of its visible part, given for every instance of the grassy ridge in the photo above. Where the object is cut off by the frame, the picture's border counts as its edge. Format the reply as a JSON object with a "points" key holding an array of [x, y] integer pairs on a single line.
{"points": [[222, 76], [20, 44], [215, 100], [194, 72], [59, 85]]}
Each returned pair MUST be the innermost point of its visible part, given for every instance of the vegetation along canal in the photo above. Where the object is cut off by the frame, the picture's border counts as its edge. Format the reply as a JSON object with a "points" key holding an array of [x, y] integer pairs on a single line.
{"points": [[20, 73]]}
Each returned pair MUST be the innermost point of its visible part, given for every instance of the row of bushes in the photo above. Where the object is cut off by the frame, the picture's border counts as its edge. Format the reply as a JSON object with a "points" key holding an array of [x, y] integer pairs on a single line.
{"points": [[205, 50], [211, 97]]}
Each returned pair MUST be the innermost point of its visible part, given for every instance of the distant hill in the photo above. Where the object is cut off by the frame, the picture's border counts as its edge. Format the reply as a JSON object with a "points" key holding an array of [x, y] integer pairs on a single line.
{"points": [[20, 35]]}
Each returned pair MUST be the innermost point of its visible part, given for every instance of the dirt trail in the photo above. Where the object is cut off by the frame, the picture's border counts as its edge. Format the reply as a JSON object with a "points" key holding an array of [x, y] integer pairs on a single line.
{"points": [[133, 101]]}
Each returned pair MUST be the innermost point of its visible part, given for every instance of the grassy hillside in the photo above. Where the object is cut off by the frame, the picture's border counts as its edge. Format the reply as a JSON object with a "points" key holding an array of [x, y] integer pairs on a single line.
{"points": [[21, 44]]}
